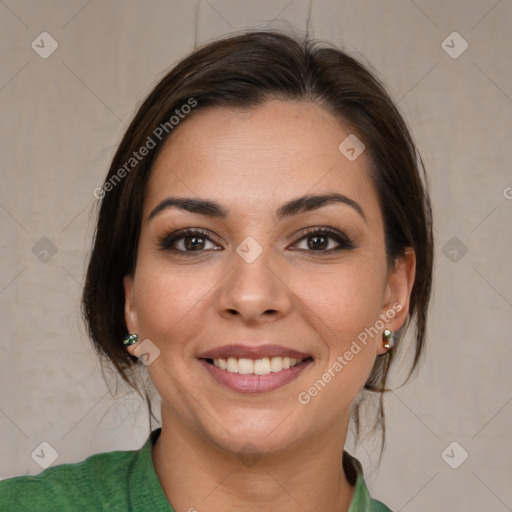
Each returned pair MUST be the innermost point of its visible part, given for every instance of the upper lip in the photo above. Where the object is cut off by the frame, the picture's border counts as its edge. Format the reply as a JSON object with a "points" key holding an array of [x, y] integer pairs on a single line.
{"points": [[251, 352]]}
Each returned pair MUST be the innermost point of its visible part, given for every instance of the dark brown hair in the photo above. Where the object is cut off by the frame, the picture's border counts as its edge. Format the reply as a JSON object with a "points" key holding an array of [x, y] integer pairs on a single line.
{"points": [[243, 71]]}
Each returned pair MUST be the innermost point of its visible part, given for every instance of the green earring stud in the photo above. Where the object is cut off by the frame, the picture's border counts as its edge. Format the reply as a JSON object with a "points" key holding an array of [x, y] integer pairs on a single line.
{"points": [[387, 336], [130, 339]]}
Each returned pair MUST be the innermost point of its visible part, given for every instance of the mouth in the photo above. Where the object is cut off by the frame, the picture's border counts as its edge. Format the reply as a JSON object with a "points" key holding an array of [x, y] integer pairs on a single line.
{"points": [[254, 369]]}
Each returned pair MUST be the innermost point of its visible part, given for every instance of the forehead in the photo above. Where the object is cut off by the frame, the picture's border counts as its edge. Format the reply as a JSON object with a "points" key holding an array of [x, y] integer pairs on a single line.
{"points": [[280, 149]]}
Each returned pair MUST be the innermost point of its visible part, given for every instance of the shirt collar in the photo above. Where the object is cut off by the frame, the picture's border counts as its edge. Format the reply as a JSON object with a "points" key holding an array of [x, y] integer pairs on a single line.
{"points": [[361, 500], [144, 474]]}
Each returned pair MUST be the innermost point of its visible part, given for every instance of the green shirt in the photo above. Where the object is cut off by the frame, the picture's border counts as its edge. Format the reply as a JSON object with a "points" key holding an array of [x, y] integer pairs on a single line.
{"points": [[122, 481]]}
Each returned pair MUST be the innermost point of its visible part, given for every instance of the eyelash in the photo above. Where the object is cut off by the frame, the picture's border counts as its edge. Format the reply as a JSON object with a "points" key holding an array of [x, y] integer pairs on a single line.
{"points": [[166, 242]]}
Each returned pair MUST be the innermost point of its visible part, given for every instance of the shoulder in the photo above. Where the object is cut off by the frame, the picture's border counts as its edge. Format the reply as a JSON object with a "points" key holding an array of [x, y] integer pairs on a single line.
{"points": [[77, 486], [378, 506]]}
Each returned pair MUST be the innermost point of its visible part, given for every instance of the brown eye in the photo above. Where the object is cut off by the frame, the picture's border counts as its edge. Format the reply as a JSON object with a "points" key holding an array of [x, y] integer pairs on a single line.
{"points": [[320, 240], [187, 240]]}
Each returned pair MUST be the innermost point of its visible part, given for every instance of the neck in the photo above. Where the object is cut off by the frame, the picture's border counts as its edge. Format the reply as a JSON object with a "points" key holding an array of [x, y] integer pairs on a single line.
{"points": [[196, 475]]}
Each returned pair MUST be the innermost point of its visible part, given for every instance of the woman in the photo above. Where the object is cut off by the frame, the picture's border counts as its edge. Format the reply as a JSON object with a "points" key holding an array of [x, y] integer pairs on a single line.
{"points": [[263, 242]]}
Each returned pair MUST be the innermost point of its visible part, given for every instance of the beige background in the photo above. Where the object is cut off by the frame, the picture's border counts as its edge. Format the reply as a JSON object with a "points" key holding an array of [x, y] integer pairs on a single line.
{"points": [[61, 118]]}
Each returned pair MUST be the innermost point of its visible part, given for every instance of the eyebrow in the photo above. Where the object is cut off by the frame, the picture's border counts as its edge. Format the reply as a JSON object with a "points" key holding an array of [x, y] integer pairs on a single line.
{"points": [[295, 206]]}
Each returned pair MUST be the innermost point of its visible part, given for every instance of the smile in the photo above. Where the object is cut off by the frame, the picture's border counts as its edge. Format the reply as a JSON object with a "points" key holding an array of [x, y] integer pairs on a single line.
{"points": [[262, 366], [250, 369]]}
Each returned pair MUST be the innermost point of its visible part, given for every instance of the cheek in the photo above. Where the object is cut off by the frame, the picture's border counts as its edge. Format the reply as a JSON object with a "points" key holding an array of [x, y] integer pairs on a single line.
{"points": [[347, 304], [348, 352], [346, 300], [168, 301]]}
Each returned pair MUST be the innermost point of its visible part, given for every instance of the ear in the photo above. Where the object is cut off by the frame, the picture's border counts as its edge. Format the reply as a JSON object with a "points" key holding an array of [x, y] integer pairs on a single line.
{"points": [[130, 313], [398, 292]]}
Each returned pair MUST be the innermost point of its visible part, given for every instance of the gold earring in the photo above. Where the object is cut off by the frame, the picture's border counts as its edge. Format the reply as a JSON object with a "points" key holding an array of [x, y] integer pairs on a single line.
{"points": [[387, 336]]}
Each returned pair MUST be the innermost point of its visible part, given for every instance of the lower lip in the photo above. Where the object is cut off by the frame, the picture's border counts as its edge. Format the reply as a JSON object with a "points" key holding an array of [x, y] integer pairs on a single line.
{"points": [[255, 383]]}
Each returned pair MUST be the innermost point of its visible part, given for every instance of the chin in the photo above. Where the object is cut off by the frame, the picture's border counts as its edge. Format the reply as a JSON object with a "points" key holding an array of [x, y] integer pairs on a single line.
{"points": [[254, 432]]}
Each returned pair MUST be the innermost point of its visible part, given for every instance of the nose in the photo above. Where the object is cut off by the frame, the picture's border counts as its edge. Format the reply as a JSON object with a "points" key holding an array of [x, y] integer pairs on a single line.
{"points": [[254, 292]]}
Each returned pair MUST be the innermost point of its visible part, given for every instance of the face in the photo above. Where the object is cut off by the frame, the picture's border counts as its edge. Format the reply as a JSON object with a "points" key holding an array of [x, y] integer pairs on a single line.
{"points": [[263, 306]]}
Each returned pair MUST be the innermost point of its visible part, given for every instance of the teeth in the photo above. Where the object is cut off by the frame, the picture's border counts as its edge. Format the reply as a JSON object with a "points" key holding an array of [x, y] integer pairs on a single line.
{"points": [[276, 364], [245, 366], [232, 365], [261, 366]]}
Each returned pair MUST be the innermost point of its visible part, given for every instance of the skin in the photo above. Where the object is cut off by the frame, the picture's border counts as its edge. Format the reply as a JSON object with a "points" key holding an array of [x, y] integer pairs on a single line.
{"points": [[252, 161]]}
